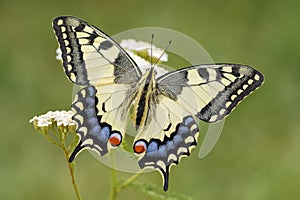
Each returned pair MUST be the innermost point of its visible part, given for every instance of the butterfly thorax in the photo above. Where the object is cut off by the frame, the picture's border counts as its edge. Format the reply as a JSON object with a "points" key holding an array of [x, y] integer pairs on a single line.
{"points": [[144, 99]]}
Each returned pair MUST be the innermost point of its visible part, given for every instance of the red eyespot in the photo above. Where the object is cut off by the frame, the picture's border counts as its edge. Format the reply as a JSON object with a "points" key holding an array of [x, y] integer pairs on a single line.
{"points": [[140, 146], [115, 139]]}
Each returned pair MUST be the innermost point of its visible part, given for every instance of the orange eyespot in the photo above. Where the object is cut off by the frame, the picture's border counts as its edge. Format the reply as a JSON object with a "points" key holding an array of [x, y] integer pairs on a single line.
{"points": [[140, 147], [115, 139]]}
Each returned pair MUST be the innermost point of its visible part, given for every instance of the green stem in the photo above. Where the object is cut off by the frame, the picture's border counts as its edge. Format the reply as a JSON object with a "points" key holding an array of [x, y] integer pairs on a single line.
{"points": [[128, 181], [53, 141], [114, 179], [71, 169]]}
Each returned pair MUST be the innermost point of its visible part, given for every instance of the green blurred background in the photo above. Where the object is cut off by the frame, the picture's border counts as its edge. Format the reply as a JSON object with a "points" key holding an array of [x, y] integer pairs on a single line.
{"points": [[257, 156]]}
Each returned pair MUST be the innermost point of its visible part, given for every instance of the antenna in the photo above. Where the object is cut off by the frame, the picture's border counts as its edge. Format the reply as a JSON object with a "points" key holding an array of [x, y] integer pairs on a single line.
{"points": [[170, 42], [151, 49]]}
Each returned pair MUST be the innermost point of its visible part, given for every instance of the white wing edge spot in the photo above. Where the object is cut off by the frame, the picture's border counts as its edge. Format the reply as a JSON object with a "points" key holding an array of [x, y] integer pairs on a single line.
{"points": [[172, 157], [88, 141], [189, 139], [60, 22], [63, 29], [256, 77], [240, 91], [227, 104], [233, 97], [222, 111], [245, 86], [181, 149], [64, 36], [69, 67], [161, 164], [214, 118]]}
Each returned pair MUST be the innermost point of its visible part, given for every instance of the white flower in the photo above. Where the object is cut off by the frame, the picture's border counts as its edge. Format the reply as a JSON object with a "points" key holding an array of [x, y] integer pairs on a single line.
{"points": [[139, 46], [58, 54], [58, 118], [132, 44], [43, 122], [64, 118]]}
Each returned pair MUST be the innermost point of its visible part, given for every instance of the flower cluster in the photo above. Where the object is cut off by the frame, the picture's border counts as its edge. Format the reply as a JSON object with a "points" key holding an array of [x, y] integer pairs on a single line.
{"points": [[58, 118]]}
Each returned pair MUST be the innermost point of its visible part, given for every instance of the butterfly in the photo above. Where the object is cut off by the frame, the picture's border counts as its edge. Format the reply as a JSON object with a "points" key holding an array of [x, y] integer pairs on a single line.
{"points": [[163, 110]]}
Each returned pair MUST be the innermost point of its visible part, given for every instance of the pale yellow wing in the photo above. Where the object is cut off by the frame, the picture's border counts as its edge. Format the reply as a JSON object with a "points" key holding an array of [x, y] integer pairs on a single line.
{"points": [[94, 61], [208, 92]]}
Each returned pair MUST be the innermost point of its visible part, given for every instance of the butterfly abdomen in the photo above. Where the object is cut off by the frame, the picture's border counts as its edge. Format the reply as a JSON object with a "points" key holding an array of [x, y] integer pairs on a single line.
{"points": [[144, 98]]}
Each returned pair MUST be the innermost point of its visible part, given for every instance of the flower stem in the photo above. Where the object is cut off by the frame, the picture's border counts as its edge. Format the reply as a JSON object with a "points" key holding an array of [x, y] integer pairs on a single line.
{"points": [[114, 191], [128, 181], [114, 180], [71, 169]]}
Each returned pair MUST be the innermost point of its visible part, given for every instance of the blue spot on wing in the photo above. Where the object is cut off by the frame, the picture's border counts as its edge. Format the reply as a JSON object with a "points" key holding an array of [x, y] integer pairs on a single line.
{"points": [[153, 146], [93, 122], [170, 145], [95, 130], [177, 139], [188, 120], [162, 151], [182, 130], [104, 134], [90, 112]]}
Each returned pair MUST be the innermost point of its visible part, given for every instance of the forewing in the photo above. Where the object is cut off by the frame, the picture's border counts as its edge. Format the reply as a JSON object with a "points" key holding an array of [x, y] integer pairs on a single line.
{"points": [[90, 57], [210, 91]]}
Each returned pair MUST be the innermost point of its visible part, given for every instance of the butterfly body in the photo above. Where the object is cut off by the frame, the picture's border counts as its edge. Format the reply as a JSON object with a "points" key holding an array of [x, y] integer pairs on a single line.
{"points": [[145, 99], [163, 109]]}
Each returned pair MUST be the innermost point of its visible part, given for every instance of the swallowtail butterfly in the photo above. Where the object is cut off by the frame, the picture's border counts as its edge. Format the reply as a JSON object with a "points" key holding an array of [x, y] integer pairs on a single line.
{"points": [[163, 109]]}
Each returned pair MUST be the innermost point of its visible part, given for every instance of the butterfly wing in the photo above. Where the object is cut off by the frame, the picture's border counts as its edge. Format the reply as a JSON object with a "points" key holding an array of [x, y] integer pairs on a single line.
{"points": [[94, 61], [208, 92], [90, 57]]}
